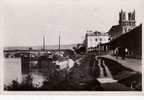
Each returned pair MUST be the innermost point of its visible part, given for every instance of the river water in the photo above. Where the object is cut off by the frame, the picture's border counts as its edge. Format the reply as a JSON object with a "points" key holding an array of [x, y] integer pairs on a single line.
{"points": [[12, 70]]}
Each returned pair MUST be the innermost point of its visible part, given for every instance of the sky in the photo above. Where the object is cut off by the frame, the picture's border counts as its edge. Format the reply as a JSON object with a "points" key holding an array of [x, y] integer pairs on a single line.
{"points": [[25, 22]]}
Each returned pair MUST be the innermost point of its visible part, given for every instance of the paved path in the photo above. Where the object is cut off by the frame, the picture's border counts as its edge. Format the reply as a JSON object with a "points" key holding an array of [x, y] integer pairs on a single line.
{"points": [[134, 64]]}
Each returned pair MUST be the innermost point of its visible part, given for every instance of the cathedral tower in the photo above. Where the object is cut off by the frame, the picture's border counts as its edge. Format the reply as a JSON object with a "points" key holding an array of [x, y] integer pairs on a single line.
{"points": [[122, 18], [131, 18], [127, 23]]}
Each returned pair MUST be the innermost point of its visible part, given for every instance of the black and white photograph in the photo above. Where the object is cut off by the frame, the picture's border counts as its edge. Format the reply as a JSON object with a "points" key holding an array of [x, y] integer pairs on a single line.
{"points": [[71, 45]]}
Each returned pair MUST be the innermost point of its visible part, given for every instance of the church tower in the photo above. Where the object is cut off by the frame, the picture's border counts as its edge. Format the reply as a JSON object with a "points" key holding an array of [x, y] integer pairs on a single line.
{"points": [[125, 23], [122, 18], [131, 18]]}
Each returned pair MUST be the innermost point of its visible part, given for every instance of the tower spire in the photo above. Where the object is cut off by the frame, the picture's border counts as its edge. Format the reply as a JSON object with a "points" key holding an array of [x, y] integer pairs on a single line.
{"points": [[122, 17], [134, 14]]}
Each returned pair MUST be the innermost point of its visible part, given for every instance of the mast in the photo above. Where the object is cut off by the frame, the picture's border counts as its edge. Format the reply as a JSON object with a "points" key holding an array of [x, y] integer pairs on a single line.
{"points": [[43, 43], [59, 43]]}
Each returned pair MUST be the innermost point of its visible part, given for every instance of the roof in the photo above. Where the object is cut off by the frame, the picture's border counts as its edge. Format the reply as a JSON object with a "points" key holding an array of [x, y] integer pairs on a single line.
{"points": [[96, 33], [115, 28]]}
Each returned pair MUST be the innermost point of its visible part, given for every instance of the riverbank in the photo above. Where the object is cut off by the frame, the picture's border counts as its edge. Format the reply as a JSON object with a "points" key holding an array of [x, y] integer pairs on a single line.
{"points": [[89, 73]]}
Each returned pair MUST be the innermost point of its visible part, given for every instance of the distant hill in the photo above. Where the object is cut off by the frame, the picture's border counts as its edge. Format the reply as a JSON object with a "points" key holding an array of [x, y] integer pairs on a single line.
{"points": [[69, 46]]}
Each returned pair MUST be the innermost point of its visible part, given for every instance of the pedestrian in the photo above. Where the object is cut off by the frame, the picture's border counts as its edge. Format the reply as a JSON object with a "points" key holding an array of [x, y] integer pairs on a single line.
{"points": [[123, 53], [126, 51]]}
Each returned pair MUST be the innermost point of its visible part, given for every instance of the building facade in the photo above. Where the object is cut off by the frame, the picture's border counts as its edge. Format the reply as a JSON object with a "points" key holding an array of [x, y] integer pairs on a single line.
{"points": [[94, 39], [126, 23]]}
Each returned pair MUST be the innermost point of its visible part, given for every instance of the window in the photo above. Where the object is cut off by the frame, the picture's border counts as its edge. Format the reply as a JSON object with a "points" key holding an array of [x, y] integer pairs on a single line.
{"points": [[100, 39], [90, 39], [96, 39]]}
